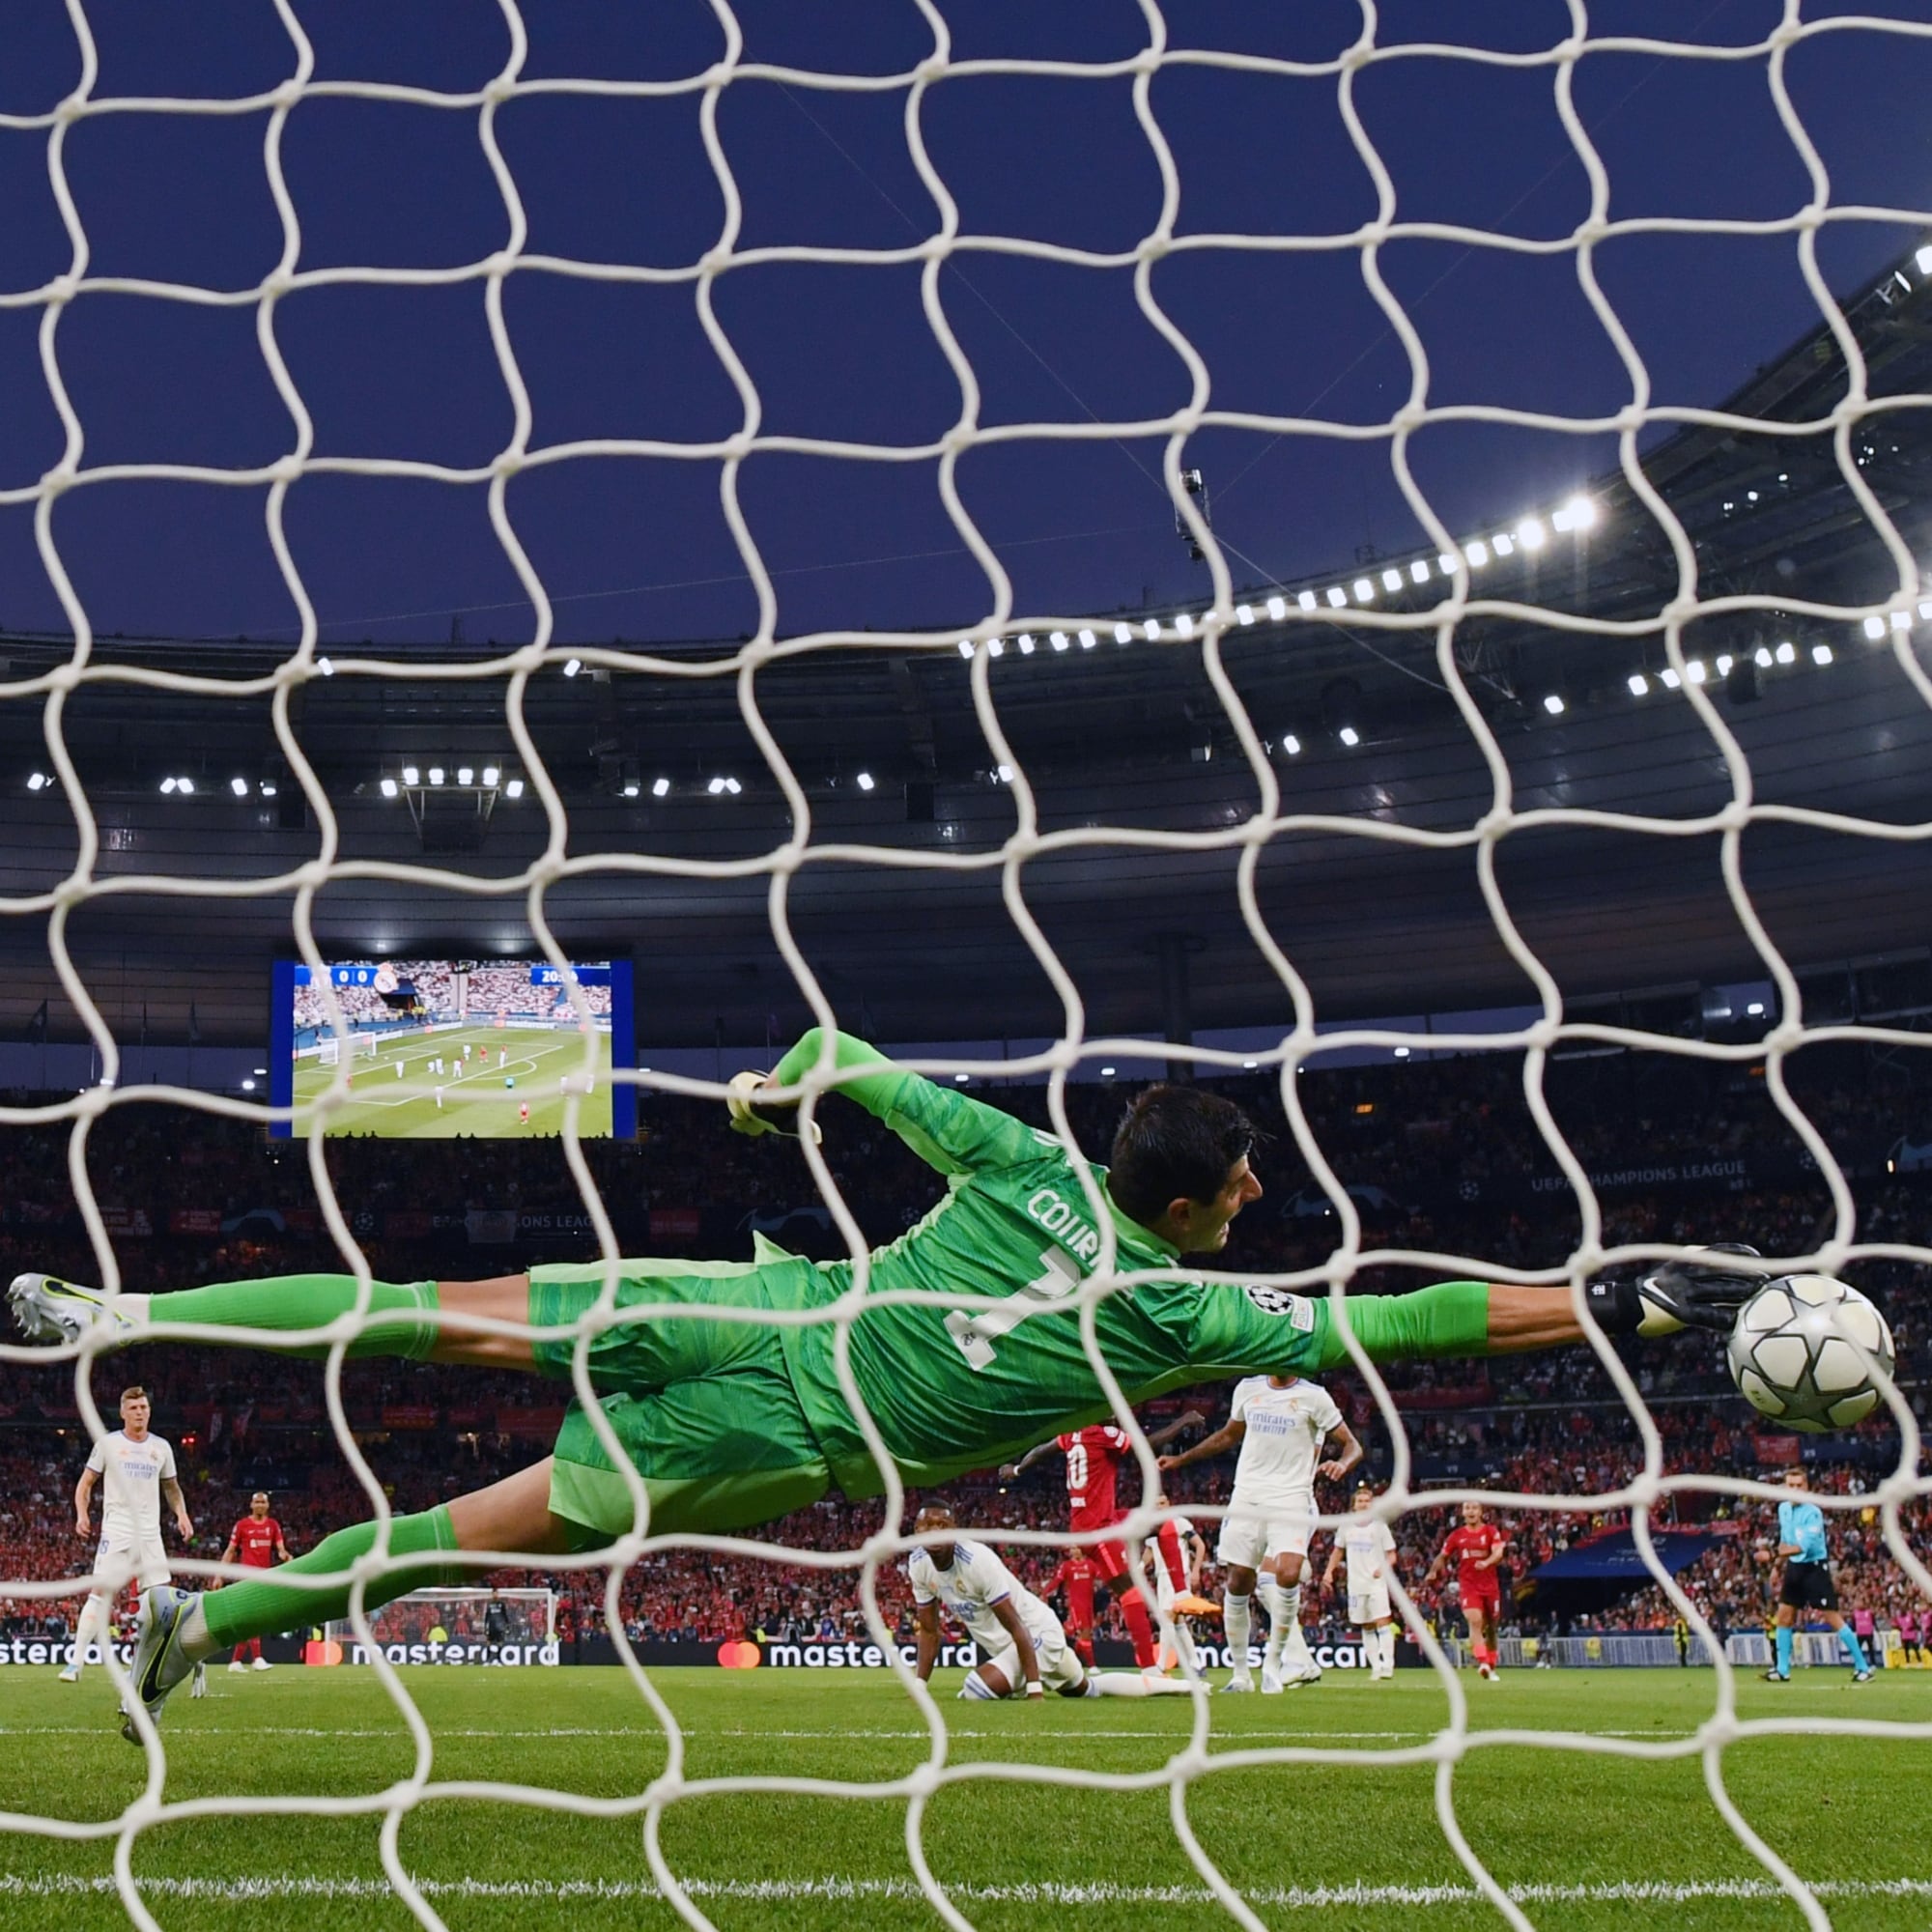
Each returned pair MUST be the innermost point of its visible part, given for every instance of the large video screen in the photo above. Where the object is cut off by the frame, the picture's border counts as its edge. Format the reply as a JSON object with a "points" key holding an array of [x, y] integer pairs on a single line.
{"points": [[440, 1048]]}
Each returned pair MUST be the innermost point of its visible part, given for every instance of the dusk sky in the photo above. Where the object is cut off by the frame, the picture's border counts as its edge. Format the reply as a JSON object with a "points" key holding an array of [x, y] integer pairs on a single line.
{"points": [[638, 547]]}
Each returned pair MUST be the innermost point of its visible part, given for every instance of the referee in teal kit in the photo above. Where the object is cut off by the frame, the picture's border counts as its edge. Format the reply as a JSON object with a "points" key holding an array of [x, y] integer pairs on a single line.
{"points": [[1807, 1583]]}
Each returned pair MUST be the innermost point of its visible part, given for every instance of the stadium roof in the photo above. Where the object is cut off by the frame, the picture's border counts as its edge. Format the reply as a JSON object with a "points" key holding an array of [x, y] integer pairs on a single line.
{"points": [[658, 768]]}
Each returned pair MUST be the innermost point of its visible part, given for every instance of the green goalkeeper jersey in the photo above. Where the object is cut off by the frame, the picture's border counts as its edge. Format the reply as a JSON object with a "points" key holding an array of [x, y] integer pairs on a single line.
{"points": [[954, 1389]]}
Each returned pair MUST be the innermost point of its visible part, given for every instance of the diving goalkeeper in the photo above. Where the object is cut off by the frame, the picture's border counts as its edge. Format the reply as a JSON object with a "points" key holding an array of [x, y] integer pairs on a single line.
{"points": [[731, 1419]]}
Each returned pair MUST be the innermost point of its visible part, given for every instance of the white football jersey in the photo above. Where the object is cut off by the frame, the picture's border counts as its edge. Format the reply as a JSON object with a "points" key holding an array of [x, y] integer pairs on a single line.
{"points": [[978, 1580], [130, 1490], [1369, 1542], [1287, 1428]]}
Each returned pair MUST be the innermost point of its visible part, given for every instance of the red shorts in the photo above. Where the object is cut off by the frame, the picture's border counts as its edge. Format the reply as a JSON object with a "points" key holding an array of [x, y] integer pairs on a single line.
{"points": [[1482, 1593], [1109, 1558]]}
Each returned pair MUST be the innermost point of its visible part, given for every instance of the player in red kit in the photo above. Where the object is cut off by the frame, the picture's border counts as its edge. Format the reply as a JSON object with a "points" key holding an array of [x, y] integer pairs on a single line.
{"points": [[256, 1544], [1477, 1548], [1092, 1468], [1075, 1579]]}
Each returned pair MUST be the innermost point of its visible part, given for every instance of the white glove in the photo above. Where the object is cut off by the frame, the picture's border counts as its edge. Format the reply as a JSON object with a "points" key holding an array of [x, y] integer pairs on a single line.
{"points": [[741, 1097]]}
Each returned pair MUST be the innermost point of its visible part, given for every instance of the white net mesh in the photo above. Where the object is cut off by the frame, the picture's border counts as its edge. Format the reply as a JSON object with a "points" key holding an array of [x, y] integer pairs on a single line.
{"points": [[1683, 598]]}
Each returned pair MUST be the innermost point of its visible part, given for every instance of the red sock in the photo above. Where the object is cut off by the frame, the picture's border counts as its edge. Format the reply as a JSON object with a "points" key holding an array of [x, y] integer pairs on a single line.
{"points": [[1133, 1606], [1083, 1649]]}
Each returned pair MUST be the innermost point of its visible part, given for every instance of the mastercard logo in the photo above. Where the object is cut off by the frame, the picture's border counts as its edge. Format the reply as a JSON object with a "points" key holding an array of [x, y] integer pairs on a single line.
{"points": [[321, 1651], [740, 1656]]}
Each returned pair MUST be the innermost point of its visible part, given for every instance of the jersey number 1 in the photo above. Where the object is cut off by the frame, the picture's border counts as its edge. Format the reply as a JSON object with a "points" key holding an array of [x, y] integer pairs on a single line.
{"points": [[976, 1334]]}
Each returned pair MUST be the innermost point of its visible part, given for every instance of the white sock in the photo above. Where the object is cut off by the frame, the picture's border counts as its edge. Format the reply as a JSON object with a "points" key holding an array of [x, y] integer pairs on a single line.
{"points": [[1183, 1646], [1237, 1621], [87, 1628], [1388, 1646], [1132, 1684], [1288, 1596], [1271, 1602]]}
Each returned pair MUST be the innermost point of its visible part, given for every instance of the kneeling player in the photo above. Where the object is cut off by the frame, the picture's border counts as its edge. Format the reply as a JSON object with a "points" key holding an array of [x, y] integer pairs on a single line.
{"points": [[1021, 1641], [1369, 1545]]}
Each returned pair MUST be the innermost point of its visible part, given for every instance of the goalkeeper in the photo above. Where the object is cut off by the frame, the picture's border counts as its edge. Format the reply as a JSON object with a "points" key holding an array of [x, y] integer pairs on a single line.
{"points": [[731, 1418]]}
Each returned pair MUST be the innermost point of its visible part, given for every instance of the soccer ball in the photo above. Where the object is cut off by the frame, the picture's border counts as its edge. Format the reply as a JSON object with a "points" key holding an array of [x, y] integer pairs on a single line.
{"points": [[1802, 1349]]}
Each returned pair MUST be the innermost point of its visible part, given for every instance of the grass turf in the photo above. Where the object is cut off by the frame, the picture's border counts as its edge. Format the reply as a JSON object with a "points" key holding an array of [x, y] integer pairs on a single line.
{"points": [[474, 1101], [1018, 1854]]}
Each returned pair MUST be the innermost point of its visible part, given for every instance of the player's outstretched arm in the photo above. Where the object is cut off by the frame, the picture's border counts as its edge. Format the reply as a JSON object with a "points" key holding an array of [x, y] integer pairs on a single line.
{"points": [[1473, 1317], [947, 1129], [1011, 1471], [1223, 1439], [1180, 1425]]}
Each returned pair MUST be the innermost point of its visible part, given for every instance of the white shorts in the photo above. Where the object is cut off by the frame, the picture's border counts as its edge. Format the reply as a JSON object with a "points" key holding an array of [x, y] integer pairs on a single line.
{"points": [[1372, 1606], [1249, 1537], [1059, 1667], [145, 1559]]}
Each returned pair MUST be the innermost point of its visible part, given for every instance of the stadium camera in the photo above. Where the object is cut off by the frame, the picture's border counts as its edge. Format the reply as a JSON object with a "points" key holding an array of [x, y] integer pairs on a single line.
{"points": [[1196, 486]]}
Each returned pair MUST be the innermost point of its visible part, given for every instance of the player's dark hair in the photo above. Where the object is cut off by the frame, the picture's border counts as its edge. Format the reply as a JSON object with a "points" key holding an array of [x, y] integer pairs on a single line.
{"points": [[1176, 1142], [130, 1394]]}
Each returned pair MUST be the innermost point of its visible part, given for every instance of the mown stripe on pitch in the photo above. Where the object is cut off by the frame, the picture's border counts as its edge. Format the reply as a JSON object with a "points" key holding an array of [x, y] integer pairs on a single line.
{"points": [[1629, 1891]]}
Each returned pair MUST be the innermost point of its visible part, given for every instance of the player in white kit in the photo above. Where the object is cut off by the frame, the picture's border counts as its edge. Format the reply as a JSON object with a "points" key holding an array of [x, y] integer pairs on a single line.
{"points": [[137, 1469], [1023, 1645], [1368, 1545], [1282, 1423]]}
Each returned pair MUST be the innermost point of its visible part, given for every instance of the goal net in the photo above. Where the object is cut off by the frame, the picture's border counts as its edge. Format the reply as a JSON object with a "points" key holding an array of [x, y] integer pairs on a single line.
{"points": [[362, 1046], [1556, 706], [506, 1626]]}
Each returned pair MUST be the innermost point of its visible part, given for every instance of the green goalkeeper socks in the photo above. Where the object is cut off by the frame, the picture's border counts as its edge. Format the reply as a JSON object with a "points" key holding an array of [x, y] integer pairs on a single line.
{"points": [[291, 1301], [241, 1611]]}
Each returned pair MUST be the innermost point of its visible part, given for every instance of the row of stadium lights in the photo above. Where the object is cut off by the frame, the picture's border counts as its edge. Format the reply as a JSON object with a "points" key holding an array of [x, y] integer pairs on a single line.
{"points": [[463, 776], [1640, 684], [1531, 535], [173, 787]]}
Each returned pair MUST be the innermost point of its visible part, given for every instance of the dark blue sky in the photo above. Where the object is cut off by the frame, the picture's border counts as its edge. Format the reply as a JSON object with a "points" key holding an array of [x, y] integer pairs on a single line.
{"points": [[638, 547]]}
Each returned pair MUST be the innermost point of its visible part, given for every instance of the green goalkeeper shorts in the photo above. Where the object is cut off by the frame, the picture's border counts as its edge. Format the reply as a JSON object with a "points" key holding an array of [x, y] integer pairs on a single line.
{"points": [[703, 1409]]}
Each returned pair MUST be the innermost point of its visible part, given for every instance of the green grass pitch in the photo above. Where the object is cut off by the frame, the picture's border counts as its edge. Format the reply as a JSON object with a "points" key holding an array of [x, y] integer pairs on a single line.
{"points": [[1586, 1841], [474, 1099]]}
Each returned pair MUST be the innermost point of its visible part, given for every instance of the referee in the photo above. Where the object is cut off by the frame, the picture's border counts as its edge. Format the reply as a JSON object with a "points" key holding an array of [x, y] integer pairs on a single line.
{"points": [[1807, 1579]]}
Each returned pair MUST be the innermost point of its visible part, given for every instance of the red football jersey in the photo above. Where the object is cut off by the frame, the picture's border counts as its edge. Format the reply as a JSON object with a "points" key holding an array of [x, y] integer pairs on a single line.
{"points": [[1468, 1543], [255, 1542], [1077, 1577], [1090, 1456]]}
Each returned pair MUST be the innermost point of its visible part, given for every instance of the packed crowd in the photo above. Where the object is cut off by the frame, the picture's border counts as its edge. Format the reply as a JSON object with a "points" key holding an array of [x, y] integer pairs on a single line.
{"points": [[1400, 1137]]}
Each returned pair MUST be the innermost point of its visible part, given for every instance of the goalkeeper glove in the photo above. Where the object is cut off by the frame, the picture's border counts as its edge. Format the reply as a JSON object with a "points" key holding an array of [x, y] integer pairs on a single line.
{"points": [[1700, 1291], [741, 1101]]}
